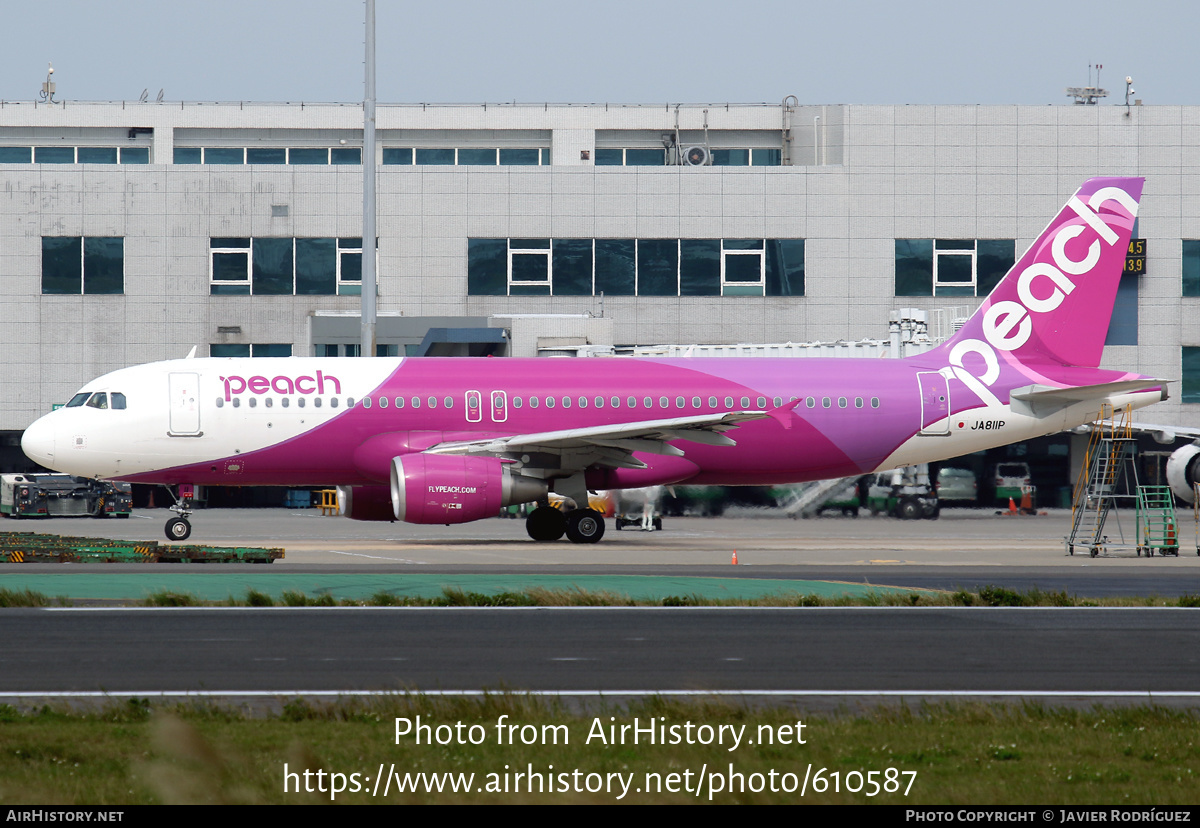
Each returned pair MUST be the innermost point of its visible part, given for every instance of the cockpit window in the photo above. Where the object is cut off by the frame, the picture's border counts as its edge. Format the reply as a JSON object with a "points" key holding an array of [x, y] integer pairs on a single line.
{"points": [[98, 400], [79, 399], [118, 400]]}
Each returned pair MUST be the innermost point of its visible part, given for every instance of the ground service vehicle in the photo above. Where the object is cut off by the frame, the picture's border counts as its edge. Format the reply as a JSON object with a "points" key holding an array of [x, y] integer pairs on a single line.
{"points": [[61, 495]]}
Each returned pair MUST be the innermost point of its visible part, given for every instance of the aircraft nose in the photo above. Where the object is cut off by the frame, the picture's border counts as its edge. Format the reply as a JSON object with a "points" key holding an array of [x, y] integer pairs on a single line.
{"points": [[38, 442]]}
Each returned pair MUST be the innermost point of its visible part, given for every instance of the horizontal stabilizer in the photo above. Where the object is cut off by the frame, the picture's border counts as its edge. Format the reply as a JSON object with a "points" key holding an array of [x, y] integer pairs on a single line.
{"points": [[1041, 400]]}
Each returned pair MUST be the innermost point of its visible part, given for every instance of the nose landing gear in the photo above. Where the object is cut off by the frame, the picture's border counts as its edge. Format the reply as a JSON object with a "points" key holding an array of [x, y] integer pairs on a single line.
{"points": [[178, 528]]}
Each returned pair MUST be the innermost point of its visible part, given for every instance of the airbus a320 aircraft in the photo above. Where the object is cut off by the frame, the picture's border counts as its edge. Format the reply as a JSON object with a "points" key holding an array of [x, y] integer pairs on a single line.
{"points": [[430, 440]]}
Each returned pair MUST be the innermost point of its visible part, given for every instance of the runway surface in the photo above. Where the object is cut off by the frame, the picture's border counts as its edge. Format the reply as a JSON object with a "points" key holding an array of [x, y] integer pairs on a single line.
{"points": [[1087, 654], [582, 649]]}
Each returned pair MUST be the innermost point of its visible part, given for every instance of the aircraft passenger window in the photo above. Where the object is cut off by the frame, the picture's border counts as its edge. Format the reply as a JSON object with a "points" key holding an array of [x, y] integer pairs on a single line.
{"points": [[778, 401], [631, 402], [826, 402], [549, 402], [745, 402], [349, 402], [253, 402], [333, 403], [366, 402], [316, 402], [762, 402], [566, 402], [285, 402], [118, 400], [599, 402], [533, 402], [811, 402], [729, 402], [679, 402], [220, 402], [268, 402], [79, 399], [648, 402], [432, 402], [399, 402], [858, 402], [583, 402], [517, 402], [874, 402], [416, 402], [841, 402], [98, 400], [712, 402], [663, 402], [616, 402], [383, 402], [237, 403], [448, 402], [695, 402]]}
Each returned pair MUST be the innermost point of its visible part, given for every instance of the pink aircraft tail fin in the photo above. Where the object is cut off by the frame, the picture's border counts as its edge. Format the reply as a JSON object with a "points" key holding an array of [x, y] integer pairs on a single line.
{"points": [[1053, 308]]}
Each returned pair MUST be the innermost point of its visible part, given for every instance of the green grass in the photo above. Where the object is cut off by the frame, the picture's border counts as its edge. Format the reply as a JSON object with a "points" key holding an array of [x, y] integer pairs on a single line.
{"points": [[988, 596], [140, 752]]}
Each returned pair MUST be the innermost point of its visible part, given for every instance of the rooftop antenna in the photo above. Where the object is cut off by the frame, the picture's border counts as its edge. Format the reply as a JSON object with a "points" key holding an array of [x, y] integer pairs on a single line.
{"points": [[1088, 95], [145, 95], [160, 94], [1129, 90], [47, 93]]}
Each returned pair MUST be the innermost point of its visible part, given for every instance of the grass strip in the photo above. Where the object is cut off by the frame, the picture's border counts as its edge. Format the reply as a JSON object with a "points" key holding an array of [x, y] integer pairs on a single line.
{"points": [[138, 752]]}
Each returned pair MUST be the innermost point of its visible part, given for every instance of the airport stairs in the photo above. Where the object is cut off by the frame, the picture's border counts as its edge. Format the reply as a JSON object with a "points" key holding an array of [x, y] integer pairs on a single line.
{"points": [[1108, 476], [803, 501], [1158, 527]]}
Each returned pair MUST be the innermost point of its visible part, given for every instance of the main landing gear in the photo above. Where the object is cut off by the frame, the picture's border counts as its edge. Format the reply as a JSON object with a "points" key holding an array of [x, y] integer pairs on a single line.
{"points": [[545, 523], [178, 528]]}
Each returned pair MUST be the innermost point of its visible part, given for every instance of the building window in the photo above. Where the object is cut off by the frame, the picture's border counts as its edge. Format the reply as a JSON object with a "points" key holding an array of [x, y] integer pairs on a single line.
{"points": [[467, 156], [257, 350], [660, 156], [951, 267], [635, 267], [1191, 374], [89, 265], [285, 267], [75, 155], [1191, 267], [1123, 325]]}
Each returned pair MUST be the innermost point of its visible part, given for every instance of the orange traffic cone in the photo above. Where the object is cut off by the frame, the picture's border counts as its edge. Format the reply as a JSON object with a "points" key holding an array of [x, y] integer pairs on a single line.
{"points": [[734, 561], [1027, 502], [1012, 507]]}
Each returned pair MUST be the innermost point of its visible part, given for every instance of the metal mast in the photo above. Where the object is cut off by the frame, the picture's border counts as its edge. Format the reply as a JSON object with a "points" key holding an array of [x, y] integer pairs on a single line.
{"points": [[367, 347]]}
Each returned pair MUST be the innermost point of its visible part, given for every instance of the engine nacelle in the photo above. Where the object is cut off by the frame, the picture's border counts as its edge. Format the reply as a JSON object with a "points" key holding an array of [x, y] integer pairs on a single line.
{"points": [[436, 488], [1183, 471], [366, 502]]}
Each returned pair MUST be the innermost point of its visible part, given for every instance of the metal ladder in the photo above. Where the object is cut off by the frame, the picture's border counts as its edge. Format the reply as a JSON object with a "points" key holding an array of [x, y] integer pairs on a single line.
{"points": [[1108, 475], [1158, 528]]}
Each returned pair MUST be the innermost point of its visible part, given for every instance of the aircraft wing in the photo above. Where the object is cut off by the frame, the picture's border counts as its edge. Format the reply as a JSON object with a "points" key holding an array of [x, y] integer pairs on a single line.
{"points": [[609, 445]]}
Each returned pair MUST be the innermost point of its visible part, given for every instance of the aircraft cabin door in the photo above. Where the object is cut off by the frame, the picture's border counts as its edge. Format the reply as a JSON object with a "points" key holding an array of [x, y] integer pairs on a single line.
{"points": [[474, 407], [935, 404], [184, 391], [499, 407]]}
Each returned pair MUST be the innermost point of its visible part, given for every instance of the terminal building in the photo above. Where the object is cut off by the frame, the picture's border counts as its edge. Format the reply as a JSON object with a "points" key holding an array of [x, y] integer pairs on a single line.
{"points": [[135, 231]]}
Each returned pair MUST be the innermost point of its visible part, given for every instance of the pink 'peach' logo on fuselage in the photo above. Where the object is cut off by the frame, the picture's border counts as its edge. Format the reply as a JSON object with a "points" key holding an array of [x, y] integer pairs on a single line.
{"points": [[280, 385]]}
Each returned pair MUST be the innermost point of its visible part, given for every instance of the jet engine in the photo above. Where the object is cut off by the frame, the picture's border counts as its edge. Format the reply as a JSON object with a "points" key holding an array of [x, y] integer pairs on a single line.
{"points": [[365, 502], [435, 488], [1183, 471]]}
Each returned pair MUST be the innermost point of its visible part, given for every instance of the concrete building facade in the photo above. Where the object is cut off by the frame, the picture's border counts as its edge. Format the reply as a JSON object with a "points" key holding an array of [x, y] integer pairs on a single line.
{"points": [[131, 232]]}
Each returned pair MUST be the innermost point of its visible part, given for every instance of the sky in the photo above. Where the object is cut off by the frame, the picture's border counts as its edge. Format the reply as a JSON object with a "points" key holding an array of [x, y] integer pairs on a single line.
{"points": [[616, 51]]}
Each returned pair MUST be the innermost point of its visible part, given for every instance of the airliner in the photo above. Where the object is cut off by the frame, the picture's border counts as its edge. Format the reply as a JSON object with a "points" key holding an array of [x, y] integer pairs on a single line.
{"points": [[448, 441]]}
